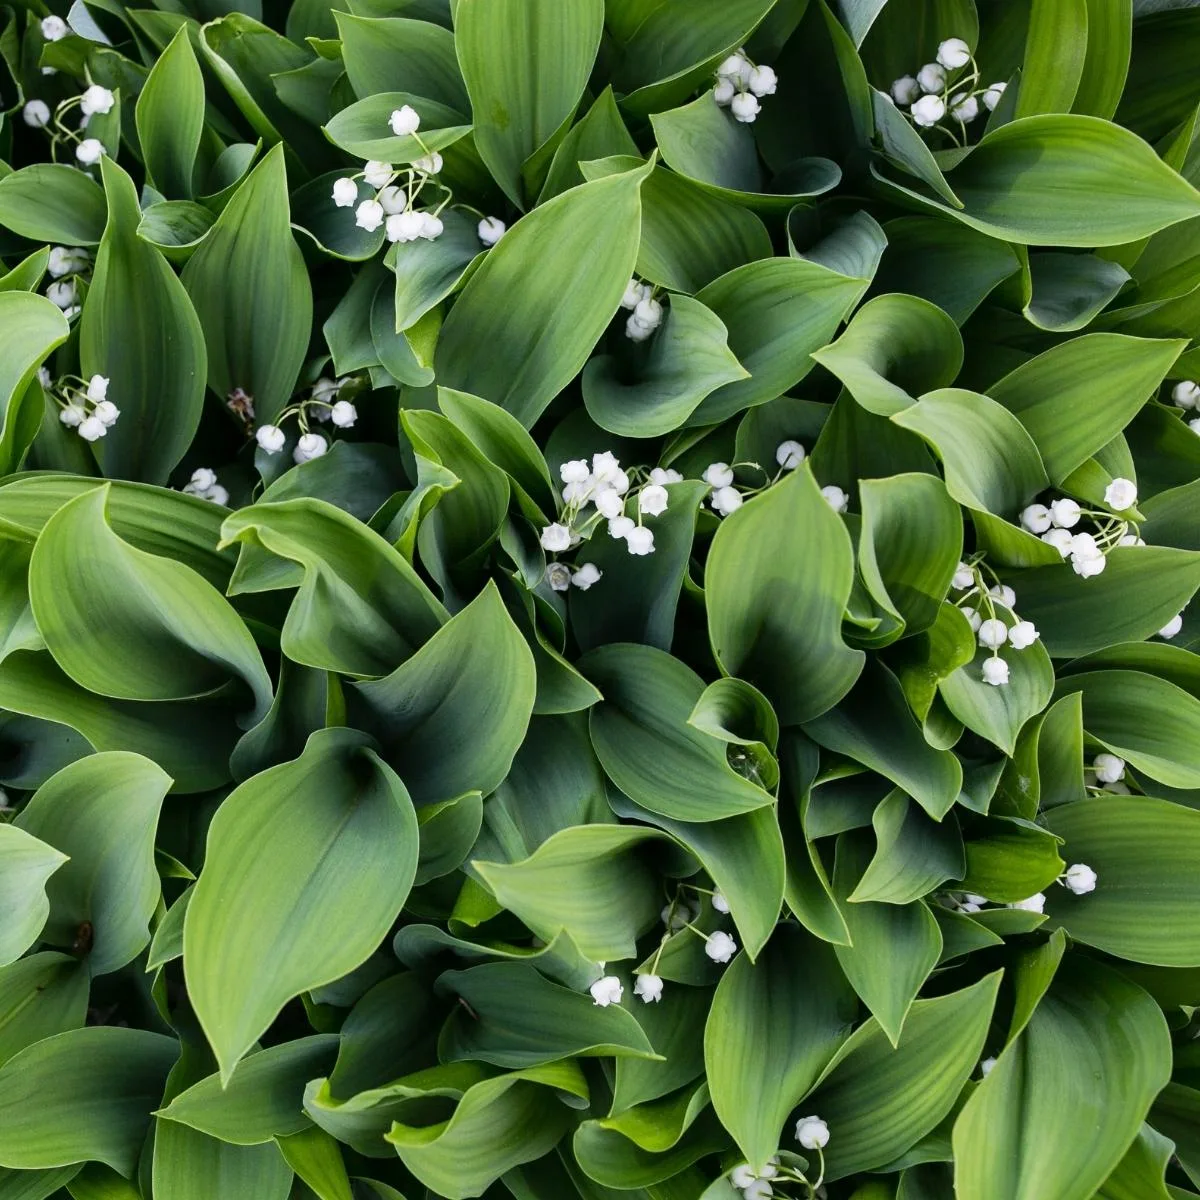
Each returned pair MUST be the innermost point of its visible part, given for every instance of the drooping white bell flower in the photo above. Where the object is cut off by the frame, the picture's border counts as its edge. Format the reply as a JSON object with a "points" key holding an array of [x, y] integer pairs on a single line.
{"points": [[490, 230], [665, 475], [763, 81], [812, 1133], [991, 97], [964, 107], [97, 388], [107, 413], [835, 497], [985, 1067], [345, 192], [718, 474], [96, 99], [963, 577], [558, 576], [72, 415], [609, 502], [54, 29], [606, 991], [92, 429], [640, 540], [431, 227], [720, 947], [1022, 635], [932, 77], [653, 500], [635, 293], [905, 90], [953, 53], [308, 447], [90, 151], [217, 495], [719, 902], [428, 164], [1121, 494], [270, 438], [36, 114], [377, 174], [586, 575], [649, 988], [724, 91], [725, 500], [1060, 539], [1194, 425], [993, 633], [574, 470], [1080, 879], [369, 215], [405, 120], [63, 293], [742, 1176], [745, 107], [1034, 904], [789, 454], [1004, 594], [202, 479], [737, 68], [974, 618], [1108, 767], [67, 260], [1186, 393], [393, 199], [928, 111], [343, 414], [404, 226], [1172, 627], [1036, 518], [760, 1189], [556, 538], [995, 671], [621, 527]]}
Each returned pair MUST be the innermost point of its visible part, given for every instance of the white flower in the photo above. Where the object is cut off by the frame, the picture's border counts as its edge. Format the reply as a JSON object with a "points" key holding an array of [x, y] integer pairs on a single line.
{"points": [[719, 902], [1083, 545], [558, 575], [992, 96], [67, 260], [63, 293], [343, 414], [575, 470], [1130, 539], [1004, 594], [742, 1176], [718, 474], [725, 500], [640, 540], [92, 428], [45, 378], [835, 497], [928, 111], [1186, 394], [490, 230], [932, 77], [90, 151], [325, 389], [1108, 767], [812, 1133], [995, 671], [653, 500], [431, 226], [428, 164], [677, 916], [106, 412], [393, 199], [953, 53], [789, 455], [985, 1067], [369, 215], [202, 479], [404, 226], [377, 174], [649, 987], [36, 114], [609, 503], [72, 416], [963, 577], [1035, 904], [97, 388], [1080, 879], [96, 99], [1064, 512], [905, 90], [663, 475], [993, 633], [605, 466], [635, 293], [621, 527], [54, 29], [1060, 539], [1085, 568], [587, 575], [556, 538], [973, 617], [1022, 635], [737, 68], [1036, 518], [763, 81], [270, 438], [1194, 425], [1172, 627], [404, 121], [1121, 494], [1117, 789], [644, 320], [218, 495], [760, 1189], [745, 107], [308, 447], [607, 991], [720, 947], [724, 91]]}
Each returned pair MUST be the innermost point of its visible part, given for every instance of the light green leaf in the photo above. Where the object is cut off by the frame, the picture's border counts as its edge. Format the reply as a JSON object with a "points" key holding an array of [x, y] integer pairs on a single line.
{"points": [[53, 202], [914, 855], [40, 995], [1110, 33], [317, 1160], [323, 850], [1010, 859], [170, 118], [28, 864], [188, 1166], [30, 328], [428, 272], [1056, 47], [363, 128], [379, 51]]}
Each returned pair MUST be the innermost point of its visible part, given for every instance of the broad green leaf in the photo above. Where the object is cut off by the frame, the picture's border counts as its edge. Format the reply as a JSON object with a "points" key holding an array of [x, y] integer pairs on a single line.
{"points": [[323, 850], [1066, 291], [893, 947], [1038, 1125], [192, 640], [428, 272], [740, 715], [102, 812], [1075, 398], [774, 1026], [510, 1016], [503, 46], [777, 312], [1140, 1173], [379, 51], [895, 348], [140, 331], [360, 608], [170, 118], [53, 202], [1110, 30], [914, 854], [82, 1095], [28, 864], [363, 128], [676, 1031], [30, 328], [1010, 859], [314, 213], [648, 748], [176, 227], [252, 294], [189, 1165], [777, 580], [518, 341], [28, 274], [1140, 849], [317, 1160], [452, 716], [879, 1099], [40, 995], [1056, 47]]}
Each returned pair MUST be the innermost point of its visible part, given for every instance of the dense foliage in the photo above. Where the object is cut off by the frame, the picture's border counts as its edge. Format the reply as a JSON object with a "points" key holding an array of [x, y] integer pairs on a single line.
{"points": [[595, 600]]}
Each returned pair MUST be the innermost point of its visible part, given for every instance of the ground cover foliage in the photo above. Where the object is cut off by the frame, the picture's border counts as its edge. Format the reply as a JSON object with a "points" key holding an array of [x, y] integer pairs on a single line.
{"points": [[595, 600]]}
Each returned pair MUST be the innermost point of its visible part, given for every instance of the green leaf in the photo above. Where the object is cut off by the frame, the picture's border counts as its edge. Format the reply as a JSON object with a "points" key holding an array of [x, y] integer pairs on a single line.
{"points": [[1066, 291], [676, 1030], [139, 330], [1009, 860], [1110, 33], [53, 202], [914, 855], [175, 227], [1056, 47], [1140, 1173], [28, 865], [428, 272], [516, 1018], [379, 51], [323, 850], [644, 741], [1038, 1125], [30, 328], [314, 213], [894, 349], [102, 812], [187, 1164], [1075, 398], [518, 107], [363, 128], [774, 1026], [251, 291], [170, 118], [1140, 849], [40, 995], [777, 581], [82, 1095], [519, 341], [199, 642], [317, 1160]]}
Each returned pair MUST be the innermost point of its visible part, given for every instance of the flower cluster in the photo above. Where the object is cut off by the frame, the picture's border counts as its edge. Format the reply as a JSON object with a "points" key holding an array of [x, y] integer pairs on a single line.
{"points": [[948, 85], [323, 405], [727, 497], [1078, 878], [82, 405], [741, 84], [986, 608], [204, 484], [1088, 552], [92, 101], [68, 267], [398, 190], [645, 312], [1186, 395], [755, 1185]]}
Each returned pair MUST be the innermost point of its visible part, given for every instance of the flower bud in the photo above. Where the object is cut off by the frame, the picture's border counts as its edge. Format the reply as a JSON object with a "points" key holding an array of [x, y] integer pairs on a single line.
{"points": [[270, 438], [345, 192], [90, 151], [405, 120], [308, 447], [343, 414], [1121, 494], [490, 230], [812, 1133], [36, 114], [745, 107], [905, 90], [369, 215], [932, 77], [992, 96], [54, 29], [96, 99], [789, 455], [953, 53], [763, 81], [378, 174], [928, 111], [1186, 393], [586, 575]]}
